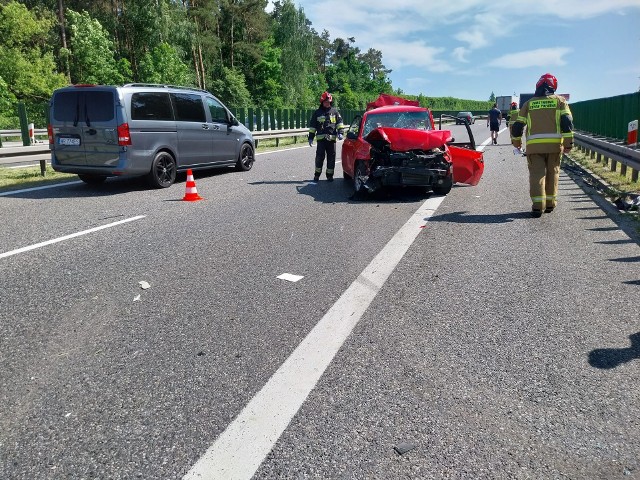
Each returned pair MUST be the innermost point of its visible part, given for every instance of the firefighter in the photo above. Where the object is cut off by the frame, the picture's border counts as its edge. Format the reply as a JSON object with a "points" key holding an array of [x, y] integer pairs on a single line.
{"points": [[325, 126], [549, 125]]}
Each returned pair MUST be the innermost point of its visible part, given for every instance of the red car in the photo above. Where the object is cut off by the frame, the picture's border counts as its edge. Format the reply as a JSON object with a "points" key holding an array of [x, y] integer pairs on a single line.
{"points": [[395, 143]]}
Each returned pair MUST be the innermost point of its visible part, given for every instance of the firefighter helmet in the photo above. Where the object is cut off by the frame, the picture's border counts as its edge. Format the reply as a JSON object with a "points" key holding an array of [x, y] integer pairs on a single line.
{"points": [[514, 104], [326, 96], [549, 80]]}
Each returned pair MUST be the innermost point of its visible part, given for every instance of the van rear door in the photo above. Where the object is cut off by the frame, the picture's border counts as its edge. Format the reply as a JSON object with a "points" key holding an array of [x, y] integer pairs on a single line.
{"points": [[85, 126], [100, 127], [68, 146]]}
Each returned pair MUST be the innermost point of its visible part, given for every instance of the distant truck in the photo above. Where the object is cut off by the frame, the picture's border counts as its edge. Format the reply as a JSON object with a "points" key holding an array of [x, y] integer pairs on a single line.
{"points": [[504, 103]]}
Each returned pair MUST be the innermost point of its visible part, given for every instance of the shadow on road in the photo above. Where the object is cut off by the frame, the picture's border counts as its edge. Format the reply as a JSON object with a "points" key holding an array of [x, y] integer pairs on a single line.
{"points": [[461, 217], [607, 358]]}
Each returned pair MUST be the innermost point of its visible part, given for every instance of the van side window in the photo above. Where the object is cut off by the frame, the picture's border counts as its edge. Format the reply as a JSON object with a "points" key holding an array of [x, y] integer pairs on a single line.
{"points": [[151, 106], [218, 113], [189, 107]]}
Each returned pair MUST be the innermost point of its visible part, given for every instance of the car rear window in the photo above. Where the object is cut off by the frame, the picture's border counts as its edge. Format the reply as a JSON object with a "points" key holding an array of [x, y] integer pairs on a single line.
{"points": [[151, 106], [189, 107]]}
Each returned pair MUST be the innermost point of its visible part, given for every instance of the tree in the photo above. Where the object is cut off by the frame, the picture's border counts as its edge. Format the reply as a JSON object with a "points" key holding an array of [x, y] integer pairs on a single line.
{"points": [[27, 66], [92, 57], [231, 88], [295, 39], [492, 97], [163, 65]]}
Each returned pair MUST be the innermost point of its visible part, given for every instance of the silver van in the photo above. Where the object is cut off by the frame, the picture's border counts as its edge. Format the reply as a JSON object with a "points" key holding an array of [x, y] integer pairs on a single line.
{"points": [[143, 129]]}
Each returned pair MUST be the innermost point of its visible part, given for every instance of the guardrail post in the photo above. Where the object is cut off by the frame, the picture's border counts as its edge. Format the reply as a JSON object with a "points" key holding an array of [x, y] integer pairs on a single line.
{"points": [[623, 170], [598, 157], [43, 168], [24, 125], [614, 165], [634, 175]]}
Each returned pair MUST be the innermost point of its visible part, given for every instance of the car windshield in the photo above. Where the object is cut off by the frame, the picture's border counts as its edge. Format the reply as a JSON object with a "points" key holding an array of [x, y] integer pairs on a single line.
{"points": [[411, 120], [464, 114]]}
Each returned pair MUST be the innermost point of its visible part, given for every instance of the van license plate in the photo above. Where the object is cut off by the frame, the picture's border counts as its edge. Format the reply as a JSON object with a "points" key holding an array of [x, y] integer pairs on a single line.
{"points": [[68, 141]]}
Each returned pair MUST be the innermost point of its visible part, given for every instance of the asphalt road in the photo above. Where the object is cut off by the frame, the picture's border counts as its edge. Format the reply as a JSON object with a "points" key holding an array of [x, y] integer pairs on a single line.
{"points": [[486, 343]]}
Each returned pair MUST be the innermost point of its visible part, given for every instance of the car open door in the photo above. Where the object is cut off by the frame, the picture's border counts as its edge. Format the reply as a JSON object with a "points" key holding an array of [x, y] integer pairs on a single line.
{"points": [[468, 164]]}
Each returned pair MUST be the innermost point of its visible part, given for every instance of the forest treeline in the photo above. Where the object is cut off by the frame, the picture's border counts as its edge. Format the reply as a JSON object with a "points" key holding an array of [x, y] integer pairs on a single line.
{"points": [[235, 49]]}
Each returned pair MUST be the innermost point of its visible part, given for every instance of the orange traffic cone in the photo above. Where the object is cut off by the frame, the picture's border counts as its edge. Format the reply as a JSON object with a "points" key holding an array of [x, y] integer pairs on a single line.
{"points": [[191, 194]]}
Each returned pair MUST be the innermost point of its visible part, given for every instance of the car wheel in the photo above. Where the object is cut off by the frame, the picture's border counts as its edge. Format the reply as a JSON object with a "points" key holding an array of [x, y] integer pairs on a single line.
{"points": [[444, 187], [92, 179], [163, 171], [359, 178], [245, 158]]}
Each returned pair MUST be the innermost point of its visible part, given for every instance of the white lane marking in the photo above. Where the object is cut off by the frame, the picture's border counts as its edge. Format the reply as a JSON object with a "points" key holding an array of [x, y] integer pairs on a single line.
{"points": [[67, 237], [33, 189], [242, 447], [488, 141]]}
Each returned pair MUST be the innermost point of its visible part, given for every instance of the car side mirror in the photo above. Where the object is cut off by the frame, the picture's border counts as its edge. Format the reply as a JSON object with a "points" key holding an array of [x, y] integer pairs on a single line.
{"points": [[352, 135], [234, 121]]}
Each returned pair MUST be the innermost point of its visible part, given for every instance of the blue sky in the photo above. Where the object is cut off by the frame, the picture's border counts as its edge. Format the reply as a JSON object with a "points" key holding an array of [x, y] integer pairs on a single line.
{"points": [[470, 48]]}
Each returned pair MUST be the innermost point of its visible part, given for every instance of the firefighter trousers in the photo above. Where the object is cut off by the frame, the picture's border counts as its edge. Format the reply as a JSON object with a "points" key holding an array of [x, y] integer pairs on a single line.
{"points": [[328, 148], [544, 171]]}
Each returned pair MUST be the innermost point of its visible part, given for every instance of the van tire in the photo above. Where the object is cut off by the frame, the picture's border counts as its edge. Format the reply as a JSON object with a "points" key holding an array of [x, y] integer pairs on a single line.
{"points": [[92, 179], [163, 171], [245, 158]]}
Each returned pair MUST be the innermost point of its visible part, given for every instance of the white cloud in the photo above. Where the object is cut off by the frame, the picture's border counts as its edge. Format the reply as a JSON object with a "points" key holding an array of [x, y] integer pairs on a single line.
{"points": [[541, 57], [460, 54]]}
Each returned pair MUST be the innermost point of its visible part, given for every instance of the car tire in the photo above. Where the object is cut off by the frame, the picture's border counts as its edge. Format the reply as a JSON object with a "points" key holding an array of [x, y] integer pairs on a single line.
{"points": [[92, 179], [359, 171], [443, 188], [245, 158], [163, 171]]}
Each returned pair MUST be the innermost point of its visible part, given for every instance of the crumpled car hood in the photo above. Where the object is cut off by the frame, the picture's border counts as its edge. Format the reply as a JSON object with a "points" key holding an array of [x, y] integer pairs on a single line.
{"points": [[404, 140]]}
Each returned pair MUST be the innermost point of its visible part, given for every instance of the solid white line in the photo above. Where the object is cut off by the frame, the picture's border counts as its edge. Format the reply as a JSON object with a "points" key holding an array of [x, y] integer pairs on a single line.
{"points": [[67, 237], [243, 446], [33, 189]]}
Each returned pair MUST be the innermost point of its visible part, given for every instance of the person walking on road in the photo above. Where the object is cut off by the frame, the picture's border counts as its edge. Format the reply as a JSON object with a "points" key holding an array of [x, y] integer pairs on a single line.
{"points": [[549, 125], [494, 119], [326, 127]]}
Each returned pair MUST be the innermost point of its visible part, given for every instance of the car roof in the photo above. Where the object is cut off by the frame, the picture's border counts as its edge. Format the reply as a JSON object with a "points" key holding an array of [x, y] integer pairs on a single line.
{"points": [[397, 108]]}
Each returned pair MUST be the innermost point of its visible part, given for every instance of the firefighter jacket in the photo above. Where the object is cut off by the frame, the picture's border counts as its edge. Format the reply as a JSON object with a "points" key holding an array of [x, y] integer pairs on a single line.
{"points": [[549, 125], [325, 124]]}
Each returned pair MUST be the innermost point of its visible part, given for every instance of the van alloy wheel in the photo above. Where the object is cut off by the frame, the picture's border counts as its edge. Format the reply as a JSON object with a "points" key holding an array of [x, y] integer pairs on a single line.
{"points": [[163, 171], [246, 158]]}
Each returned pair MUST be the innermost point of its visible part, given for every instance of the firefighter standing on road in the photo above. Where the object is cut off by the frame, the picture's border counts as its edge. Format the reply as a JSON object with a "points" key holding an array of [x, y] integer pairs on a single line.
{"points": [[549, 133], [326, 127]]}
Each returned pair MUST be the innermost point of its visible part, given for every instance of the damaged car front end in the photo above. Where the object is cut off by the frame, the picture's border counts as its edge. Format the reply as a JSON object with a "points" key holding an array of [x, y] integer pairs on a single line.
{"points": [[402, 157]]}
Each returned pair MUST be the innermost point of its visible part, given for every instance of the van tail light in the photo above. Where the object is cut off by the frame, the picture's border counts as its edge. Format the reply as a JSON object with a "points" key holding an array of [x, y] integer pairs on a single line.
{"points": [[124, 138], [50, 134]]}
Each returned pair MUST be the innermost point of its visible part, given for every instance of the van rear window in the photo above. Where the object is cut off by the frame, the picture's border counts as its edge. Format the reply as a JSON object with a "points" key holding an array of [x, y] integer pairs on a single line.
{"points": [[65, 106], [151, 106], [100, 106], [83, 105]]}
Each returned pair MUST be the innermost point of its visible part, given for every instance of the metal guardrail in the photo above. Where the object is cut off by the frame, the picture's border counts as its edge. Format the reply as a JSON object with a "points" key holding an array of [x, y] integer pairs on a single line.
{"points": [[603, 149]]}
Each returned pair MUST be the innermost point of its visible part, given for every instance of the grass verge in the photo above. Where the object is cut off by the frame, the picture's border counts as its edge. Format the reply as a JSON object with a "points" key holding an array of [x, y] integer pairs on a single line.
{"points": [[18, 178]]}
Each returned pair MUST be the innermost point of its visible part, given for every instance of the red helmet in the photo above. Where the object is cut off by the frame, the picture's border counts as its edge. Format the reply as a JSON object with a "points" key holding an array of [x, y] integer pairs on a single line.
{"points": [[548, 79], [514, 104], [326, 96]]}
